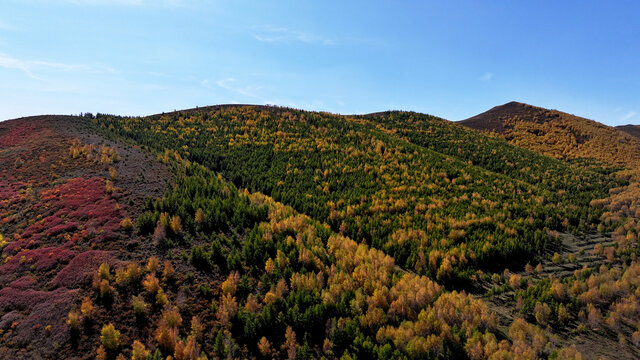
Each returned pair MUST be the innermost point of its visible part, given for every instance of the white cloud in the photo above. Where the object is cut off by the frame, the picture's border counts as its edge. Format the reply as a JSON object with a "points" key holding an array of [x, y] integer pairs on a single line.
{"points": [[230, 84], [6, 27], [251, 91], [487, 76], [281, 34], [30, 67], [157, 3], [629, 115]]}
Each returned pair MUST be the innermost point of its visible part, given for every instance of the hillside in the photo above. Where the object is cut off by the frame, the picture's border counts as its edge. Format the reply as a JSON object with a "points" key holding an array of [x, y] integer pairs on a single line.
{"points": [[265, 232], [633, 130], [558, 134], [577, 140], [371, 184], [440, 199], [66, 194], [585, 143]]}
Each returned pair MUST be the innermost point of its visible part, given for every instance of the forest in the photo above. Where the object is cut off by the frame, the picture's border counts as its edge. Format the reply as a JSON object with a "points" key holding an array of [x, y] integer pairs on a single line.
{"points": [[440, 199], [269, 232]]}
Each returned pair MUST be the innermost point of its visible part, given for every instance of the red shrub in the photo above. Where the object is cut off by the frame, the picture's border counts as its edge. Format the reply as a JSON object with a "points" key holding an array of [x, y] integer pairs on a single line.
{"points": [[14, 247], [62, 228], [36, 231], [77, 202], [10, 193], [17, 134], [23, 283], [12, 298], [10, 318], [45, 325], [39, 259], [82, 268]]}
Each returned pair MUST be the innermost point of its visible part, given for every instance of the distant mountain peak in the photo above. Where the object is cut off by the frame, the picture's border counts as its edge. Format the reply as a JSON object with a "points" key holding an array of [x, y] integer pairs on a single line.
{"points": [[633, 130], [559, 134]]}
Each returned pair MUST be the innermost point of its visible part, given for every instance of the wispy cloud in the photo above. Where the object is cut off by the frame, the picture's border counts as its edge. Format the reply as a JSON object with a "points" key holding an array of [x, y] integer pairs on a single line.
{"points": [[231, 84], [6, 27], [487, 76], [250, 91], [629, 115], [157, 3], [282, 34], [31, 67]]}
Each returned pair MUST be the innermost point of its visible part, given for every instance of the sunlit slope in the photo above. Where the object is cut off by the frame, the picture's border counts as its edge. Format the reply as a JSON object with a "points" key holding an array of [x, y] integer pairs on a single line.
{"points": [[491, 153], [633, 130], [441, 207], [559, 134], [111, 251]]}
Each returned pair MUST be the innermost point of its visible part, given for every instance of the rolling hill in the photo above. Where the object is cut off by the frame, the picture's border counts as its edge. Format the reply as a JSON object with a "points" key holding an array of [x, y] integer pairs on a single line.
{"points": [[240, 231], [558, 134], [633, 130], [577, 140], [374, 183], [585, 143]]}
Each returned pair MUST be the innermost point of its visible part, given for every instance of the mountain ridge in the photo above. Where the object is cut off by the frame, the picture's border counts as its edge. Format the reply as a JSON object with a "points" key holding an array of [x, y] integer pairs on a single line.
{"points": [[558, 134], [269, 232]]}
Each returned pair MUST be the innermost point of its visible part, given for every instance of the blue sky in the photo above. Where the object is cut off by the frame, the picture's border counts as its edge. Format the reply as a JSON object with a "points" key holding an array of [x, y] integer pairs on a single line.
{"points": [[452, 59]]}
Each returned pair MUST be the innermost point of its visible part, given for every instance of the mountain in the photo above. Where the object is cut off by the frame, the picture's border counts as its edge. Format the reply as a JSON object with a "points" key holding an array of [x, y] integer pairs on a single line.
{"points": [[558, 134], [240, 231], [375, 183], [633, 130], [585, 143]]}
